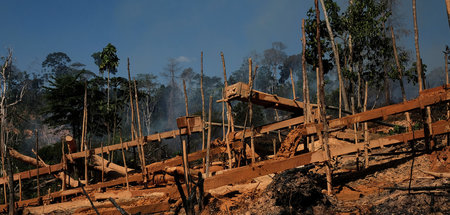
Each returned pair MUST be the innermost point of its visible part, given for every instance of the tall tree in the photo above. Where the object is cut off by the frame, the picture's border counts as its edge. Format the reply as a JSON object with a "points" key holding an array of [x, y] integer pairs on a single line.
{"points": [[342, 93], [109, 62]]}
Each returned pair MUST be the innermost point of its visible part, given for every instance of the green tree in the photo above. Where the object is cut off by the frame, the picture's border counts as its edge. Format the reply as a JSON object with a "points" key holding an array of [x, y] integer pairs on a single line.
{"points": [[109, 62]]}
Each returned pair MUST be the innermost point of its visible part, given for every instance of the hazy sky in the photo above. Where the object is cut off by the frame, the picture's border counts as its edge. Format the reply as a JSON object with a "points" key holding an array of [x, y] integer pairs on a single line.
{"points": [[151, 32]]}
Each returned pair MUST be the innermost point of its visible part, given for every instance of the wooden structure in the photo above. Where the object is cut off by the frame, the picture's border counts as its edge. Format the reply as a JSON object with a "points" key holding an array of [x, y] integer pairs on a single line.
{"points": [[156, 172]]}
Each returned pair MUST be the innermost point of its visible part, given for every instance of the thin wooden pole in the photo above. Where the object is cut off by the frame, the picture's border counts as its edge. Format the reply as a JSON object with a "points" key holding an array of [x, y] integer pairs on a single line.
{"points": [[229, 116], [321, 91], [130, 89], [103, 163], [203, 105], [355, 132], [20, 188], [208, 142], [305, 85], [125, 164], [83, 135], [223, 118], [366, 129], [37, 165], [63, 186], [250, 107], [185, 98], [186, 165], [446, 71], [293, 85], [140, 140]]}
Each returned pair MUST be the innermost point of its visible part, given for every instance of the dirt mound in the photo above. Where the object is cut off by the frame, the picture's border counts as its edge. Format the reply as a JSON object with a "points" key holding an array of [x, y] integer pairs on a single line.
{"points": [[298, 191]]}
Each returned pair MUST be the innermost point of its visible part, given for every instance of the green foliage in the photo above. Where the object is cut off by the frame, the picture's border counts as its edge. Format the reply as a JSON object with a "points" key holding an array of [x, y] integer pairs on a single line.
{"points": [[64, 99], [108, 58]]}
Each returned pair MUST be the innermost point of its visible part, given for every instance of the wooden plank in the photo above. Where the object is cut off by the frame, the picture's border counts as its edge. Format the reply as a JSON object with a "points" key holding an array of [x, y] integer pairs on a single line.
{"points": [[150, 138], [33, 173]]}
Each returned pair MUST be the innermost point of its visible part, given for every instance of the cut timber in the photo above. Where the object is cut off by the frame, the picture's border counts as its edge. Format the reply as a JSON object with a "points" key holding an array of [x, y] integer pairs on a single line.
{"points": [[109, 167], [43, 170], [240, 92]]}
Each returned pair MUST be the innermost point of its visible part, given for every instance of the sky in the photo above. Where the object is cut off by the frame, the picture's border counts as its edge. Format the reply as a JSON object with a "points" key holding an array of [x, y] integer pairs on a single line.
{"points": [[151, 32]]}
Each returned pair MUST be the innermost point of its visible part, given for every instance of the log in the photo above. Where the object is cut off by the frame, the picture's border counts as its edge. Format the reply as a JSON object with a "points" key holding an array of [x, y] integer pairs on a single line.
{"points": [[32, 161], [109, 167]]}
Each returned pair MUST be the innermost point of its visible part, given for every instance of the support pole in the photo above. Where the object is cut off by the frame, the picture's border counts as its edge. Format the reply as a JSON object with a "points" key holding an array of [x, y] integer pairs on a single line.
{"points": [[37, 165], [229, 116], [321, 97], [140, 140], [63, 186], [125, 164], [366, 128], [208, 142], [203, 104]]}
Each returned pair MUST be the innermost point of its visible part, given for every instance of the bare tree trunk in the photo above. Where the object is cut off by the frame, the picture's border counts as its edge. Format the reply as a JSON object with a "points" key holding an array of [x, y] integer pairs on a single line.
{"points": [[342, 94], [321, 90], [400, 78], [305, 84]]}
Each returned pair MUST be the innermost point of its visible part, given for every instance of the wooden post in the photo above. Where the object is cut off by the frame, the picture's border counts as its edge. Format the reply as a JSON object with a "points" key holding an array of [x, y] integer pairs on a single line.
{"points": [[130, 89], [366, 129], [83, 135], [446, 72], [355, 132], [208, 142], [20, 188], [103, 164], [305, 86], [186, 166], [185, 98], [250, 107], [293, 84], [125, 164], [321, 91], [37, 164], [229, 116], [63, 185], [203, 105], [274, 142], [140, 140], [223, 117]]}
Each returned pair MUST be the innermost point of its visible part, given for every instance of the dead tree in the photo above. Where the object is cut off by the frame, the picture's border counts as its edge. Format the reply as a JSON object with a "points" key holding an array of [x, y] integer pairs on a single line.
{"points": [[5, 72]]}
